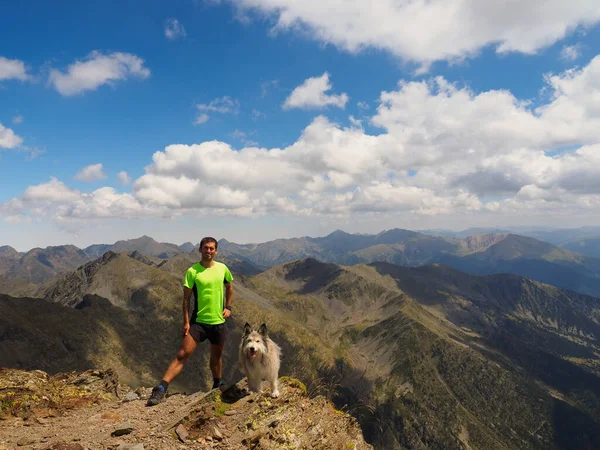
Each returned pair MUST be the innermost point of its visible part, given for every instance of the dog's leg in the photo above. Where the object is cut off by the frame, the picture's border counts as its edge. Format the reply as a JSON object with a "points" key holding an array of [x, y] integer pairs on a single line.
{"points": [[274, 382], [254, 384]]}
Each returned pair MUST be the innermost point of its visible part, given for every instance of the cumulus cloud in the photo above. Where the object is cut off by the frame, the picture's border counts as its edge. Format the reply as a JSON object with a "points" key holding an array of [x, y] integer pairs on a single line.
{"points": [[312, 95], [17, 120], [57, 201], [124, 178], [12, 69], [8, 138], [92, 172], [221, 105], [174, 29], [97, 69], [427, 31], [442, 150]]}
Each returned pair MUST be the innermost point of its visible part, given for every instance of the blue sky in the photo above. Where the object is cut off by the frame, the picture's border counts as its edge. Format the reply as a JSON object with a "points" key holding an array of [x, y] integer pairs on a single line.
{"points": [[489, 118]]}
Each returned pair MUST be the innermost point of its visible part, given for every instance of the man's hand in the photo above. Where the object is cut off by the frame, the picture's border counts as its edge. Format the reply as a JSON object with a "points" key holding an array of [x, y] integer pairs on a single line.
{"points": [[186, 329], [226, 313]]}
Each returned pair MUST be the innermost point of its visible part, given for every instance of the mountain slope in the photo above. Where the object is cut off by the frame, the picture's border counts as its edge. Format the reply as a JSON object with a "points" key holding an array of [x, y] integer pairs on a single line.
{"points": [[533, 259], [445, 359], [39, 265]]}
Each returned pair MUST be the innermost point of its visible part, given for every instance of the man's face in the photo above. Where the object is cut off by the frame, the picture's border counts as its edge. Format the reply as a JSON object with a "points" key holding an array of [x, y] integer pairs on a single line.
{"points": [[208, 250]]}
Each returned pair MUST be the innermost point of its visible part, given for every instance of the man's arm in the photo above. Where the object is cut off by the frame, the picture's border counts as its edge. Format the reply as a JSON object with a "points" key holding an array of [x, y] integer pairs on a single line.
{"points": [[187, 294], [228, 299]]}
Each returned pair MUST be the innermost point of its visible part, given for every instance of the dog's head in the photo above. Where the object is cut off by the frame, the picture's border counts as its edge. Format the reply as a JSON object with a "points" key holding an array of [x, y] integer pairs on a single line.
{"points": [[254, 341]]}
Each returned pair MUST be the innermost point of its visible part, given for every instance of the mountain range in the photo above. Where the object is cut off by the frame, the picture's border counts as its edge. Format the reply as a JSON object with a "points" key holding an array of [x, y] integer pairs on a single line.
{"points": [[20, 273], [423, 357]]}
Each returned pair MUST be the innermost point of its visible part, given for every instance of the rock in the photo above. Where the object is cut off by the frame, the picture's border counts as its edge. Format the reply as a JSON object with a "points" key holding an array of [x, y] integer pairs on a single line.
{"points": [[41, 420], [255, 437], [182, 433], [217, 434], [131, 447], [130, 396], [25, 441], [231, 412], [121, 429]]}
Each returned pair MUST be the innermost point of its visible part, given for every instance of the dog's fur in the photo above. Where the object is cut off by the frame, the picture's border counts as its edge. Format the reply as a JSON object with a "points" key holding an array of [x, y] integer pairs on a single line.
{"points": [[259, 359]]}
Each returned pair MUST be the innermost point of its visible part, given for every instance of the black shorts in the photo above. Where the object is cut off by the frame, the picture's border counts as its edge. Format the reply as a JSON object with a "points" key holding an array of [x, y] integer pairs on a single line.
{"points": [[216, 334]]}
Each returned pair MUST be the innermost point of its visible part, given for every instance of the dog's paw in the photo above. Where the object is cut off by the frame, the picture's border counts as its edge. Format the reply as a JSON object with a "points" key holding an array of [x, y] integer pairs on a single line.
{"points": [[275, 394]]}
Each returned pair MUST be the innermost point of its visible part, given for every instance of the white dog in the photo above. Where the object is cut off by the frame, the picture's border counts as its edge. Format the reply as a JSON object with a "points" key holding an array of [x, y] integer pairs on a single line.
{"points": [[259, 359]]}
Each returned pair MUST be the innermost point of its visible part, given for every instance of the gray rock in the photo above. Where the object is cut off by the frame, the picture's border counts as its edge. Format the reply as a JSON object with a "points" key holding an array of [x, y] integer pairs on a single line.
{"points": [[122, 428], [131, 447], [130, 396]]}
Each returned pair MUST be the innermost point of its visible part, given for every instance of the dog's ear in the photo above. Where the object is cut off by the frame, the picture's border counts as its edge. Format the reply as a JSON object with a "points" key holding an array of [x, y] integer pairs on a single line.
{"points": [[247, 329], [263, 329]]}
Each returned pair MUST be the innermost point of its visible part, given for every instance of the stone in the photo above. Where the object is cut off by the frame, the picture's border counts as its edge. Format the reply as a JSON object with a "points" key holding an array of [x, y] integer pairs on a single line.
{"points": [[182, 433], [217, 434], [231, 412], [25, 441], [121, 429], [131, 447], [130, 396]]}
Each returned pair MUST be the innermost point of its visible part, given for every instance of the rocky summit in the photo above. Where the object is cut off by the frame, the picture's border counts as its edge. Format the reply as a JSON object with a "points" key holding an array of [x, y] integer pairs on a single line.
{"points": [[92, 410]]}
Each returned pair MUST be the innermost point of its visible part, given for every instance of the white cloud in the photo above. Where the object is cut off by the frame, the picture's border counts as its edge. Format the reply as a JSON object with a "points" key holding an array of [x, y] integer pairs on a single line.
{"points": [[427, 31], [174, 29], [12, 69], [570, 53], [96, 70], [363, 105], [92, 172], [17, 120], [311, 94], [8, 138], [202, 118], [221, 105], [64, 205], [443, 151], [124, 178]]}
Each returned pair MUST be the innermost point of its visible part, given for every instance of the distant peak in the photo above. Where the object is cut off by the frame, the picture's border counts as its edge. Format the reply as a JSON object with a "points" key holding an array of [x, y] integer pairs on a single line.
{"points": [[338, 232]]}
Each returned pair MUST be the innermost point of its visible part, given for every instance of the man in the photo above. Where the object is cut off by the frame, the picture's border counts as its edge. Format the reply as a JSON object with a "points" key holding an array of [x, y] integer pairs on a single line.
{"points": [[205, 280]]}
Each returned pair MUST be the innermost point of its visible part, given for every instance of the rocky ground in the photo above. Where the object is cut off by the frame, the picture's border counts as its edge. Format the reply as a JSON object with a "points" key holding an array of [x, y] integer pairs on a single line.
{"points": [[91, 410]]}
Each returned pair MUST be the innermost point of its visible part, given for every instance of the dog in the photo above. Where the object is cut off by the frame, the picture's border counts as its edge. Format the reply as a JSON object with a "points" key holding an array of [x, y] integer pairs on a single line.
{"points": [[259, 359]]}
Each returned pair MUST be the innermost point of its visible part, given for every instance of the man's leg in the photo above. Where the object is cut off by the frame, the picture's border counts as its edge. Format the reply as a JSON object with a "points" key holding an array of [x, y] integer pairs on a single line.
{"points": [[188, 345], [216, 363]]}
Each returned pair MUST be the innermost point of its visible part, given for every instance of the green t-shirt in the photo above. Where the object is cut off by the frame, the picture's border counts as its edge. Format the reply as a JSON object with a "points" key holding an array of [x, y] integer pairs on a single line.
{"points": [[207, 285]]}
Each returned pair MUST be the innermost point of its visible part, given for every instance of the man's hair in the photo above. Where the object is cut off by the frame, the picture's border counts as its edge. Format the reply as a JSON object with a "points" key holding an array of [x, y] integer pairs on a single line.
{"points": [[209, 239]]}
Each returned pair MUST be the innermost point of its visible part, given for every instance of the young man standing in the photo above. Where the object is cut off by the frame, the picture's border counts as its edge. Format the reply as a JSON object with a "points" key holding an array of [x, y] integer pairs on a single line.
{"points": [[206, 280]]}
